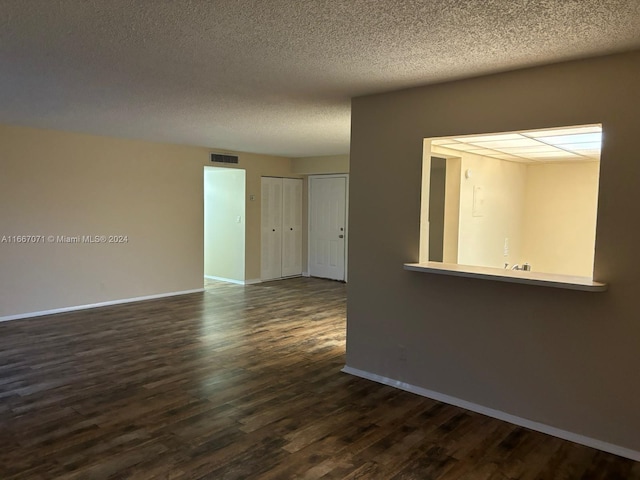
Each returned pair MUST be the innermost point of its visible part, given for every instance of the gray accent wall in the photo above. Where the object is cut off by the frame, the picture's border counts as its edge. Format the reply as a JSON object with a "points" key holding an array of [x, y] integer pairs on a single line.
{"points": [[566, 359]]}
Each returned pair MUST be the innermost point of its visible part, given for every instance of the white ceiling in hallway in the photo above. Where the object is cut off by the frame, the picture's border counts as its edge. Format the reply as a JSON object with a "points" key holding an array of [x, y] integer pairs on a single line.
{"points": [[569, 144], [272, 76]]}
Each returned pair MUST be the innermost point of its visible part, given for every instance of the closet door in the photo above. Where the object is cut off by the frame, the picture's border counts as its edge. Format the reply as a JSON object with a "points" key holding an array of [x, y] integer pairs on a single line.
{"points": [[271, 244], [291, 227]]}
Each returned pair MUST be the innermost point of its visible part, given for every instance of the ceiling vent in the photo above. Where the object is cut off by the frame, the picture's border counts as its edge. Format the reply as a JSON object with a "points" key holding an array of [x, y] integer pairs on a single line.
{"points": [[219, 158]]}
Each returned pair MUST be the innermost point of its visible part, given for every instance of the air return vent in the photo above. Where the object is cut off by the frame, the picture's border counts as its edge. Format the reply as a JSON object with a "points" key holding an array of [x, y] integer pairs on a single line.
{"points": [[219, 158]]}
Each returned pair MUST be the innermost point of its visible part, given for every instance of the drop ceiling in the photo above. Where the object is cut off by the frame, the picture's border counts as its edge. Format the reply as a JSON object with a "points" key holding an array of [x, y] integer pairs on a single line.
{"points": [[569, 144], [274, 76]]}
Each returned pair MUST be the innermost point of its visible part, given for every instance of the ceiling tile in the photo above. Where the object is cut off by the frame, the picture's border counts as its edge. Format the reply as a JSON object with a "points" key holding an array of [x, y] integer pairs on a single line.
{"points": [[579, 147], [578, 138], [458, 146], [519, 142], [489, 138], [563, 131], [532, 149], [484, 151], [556, 154]]}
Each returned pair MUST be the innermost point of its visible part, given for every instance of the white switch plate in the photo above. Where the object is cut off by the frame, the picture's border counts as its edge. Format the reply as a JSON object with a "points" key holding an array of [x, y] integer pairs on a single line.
{"points": [[478, 201]]}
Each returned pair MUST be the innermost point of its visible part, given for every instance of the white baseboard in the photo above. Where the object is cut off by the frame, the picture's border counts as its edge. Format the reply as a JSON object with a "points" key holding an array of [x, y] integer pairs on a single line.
{"points": [[522, 422], [222, 279], [96, 305], [305, 274], [231, 280]]}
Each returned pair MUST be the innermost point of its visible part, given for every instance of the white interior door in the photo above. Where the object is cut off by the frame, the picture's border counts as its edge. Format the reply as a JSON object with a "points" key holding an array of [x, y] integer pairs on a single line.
{"points": [[327, 227], [271, 245], [291, 226]]}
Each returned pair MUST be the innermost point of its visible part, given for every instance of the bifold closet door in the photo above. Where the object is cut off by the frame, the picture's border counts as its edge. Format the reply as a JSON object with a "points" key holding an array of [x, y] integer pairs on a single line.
{"points": [[271, 245], [291, 227], [281, 249]]}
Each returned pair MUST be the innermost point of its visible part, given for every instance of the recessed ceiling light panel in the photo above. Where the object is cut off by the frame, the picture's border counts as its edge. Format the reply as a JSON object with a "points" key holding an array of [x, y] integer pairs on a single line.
{"points": [[563, 131], [566, 139], [556, 154], [489, 138], [519, 142], [532, 149], [578, 147], [459, 146]]}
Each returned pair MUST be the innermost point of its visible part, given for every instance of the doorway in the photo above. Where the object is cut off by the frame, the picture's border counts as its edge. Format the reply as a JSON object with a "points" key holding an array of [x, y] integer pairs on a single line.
{"points": [[224, 224], [328, 226], [437, 187]]}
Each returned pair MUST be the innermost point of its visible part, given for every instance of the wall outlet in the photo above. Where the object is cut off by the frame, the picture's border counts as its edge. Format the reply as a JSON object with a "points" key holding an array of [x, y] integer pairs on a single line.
{"points": [[506, 246]]}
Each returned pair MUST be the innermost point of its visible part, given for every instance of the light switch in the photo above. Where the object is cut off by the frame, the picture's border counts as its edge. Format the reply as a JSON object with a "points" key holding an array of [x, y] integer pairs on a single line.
{"points": [[478, 201]]}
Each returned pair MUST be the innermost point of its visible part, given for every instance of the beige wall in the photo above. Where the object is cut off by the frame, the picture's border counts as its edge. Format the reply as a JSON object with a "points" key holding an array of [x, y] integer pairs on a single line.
{"points": [[481, 235], [321, 165], [562, 358], [560, 217], [54, 183], [59, 183], [224, 223]]}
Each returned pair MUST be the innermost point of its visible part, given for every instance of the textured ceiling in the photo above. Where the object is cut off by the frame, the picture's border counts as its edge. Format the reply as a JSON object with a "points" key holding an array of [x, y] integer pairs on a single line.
{"points": [[270, 76]]}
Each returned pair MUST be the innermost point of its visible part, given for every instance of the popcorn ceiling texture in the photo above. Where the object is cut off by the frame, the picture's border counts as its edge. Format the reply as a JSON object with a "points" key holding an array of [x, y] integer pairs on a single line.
{"points": [[270, 76]]}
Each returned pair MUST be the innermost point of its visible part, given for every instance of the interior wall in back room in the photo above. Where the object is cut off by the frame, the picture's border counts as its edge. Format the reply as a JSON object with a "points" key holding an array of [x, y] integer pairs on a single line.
{"points": [[557, 357], [491, 210], [560, 217]]}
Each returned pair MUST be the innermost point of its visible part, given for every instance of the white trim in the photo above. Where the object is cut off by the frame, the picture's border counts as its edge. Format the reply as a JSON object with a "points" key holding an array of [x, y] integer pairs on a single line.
{"points": [[346, 229], [277, 279], [223, 279], [96, 305], [554, 280], [237, 282], [490, 412], [306, 274]]}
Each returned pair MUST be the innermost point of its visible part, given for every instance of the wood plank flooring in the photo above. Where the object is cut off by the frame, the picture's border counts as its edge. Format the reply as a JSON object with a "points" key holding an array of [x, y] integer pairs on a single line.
{"points": [[241, 382]]}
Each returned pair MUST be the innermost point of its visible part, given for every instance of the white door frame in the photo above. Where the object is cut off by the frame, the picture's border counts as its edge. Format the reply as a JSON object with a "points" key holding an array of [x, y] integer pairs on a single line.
{"points": [[346, 219]]}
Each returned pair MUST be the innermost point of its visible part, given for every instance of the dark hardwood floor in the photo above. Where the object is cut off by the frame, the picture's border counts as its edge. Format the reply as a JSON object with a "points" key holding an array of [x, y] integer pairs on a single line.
{"points": [[241, 383]]}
